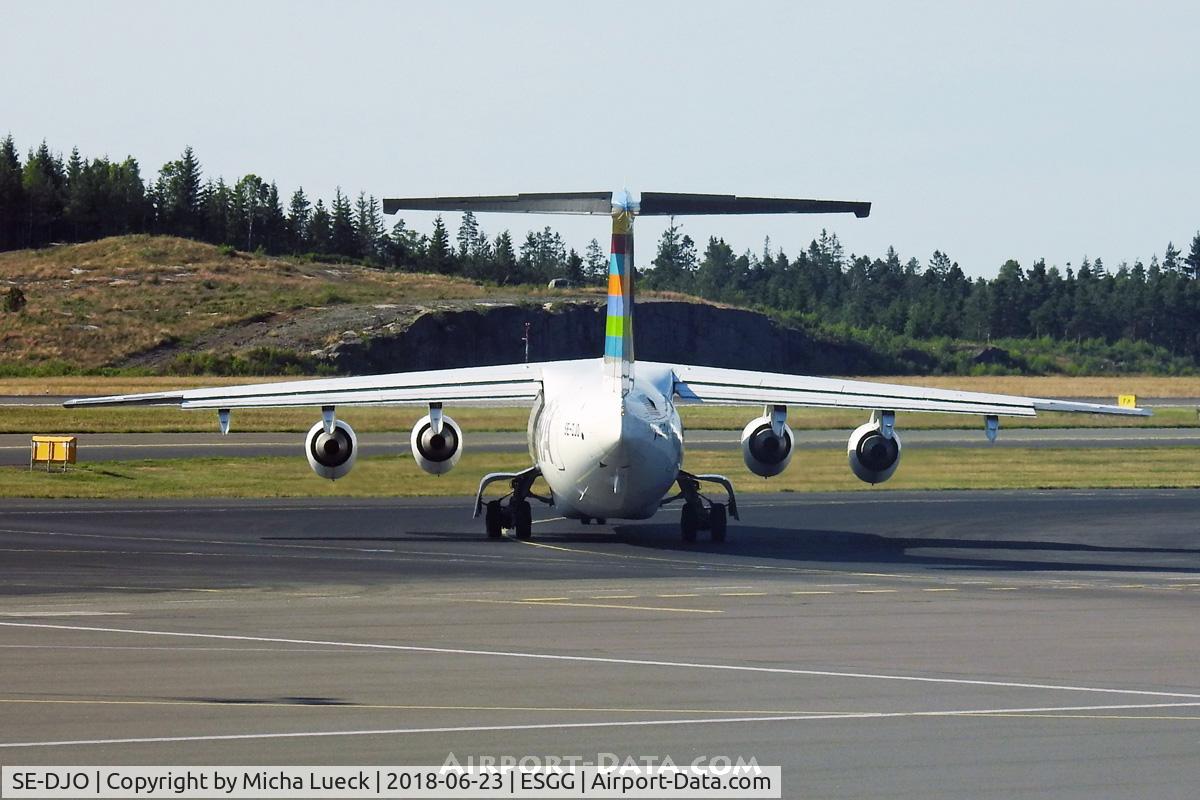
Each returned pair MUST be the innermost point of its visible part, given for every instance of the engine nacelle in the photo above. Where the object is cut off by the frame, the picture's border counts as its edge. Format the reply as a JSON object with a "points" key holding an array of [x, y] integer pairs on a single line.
{"points": [[873, 457], [765, 453], [436, 453], [331, 455]]}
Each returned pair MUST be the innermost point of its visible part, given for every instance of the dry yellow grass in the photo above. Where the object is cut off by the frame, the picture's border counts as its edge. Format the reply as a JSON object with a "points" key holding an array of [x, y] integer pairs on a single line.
{"points": [[813, 470], [94, 304]]}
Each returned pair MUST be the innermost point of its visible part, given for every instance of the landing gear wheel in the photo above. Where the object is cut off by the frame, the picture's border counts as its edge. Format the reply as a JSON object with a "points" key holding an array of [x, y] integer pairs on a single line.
{"points": [[689, 522], [522, 518], [493, 519], [716, 522]]}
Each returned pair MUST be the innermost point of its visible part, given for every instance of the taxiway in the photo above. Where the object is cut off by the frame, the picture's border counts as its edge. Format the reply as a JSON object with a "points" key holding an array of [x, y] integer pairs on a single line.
{"points": [[965, 644]]}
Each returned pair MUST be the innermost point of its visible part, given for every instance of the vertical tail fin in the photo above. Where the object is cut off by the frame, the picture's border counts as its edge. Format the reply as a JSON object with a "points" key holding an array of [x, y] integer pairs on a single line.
{"points": [[618, 328]]}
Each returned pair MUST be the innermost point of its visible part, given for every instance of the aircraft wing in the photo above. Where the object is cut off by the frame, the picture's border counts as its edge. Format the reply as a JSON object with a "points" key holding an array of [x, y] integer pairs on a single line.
{"points": [[743, 387], [505, 384]]}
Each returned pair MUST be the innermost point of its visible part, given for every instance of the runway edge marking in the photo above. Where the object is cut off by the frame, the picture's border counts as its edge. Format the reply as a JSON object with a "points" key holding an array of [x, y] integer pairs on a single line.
{"points": [[851, 715]]}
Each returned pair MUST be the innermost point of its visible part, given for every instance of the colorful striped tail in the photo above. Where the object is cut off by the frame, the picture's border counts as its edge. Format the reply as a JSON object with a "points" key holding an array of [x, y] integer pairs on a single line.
{"points": [[618, 329]]}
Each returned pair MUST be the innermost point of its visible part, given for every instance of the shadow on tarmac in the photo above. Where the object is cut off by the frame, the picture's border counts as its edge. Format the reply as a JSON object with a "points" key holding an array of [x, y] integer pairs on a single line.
{"points": [[849, 547], [832, 546]]}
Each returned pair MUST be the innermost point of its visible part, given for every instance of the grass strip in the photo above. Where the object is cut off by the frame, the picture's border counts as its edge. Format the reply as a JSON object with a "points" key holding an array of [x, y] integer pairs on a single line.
{"points": [[811, 471]]}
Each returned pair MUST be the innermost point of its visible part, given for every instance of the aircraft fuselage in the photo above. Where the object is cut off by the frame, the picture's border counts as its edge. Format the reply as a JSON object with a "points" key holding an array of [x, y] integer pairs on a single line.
{"points": [[605, 455]]}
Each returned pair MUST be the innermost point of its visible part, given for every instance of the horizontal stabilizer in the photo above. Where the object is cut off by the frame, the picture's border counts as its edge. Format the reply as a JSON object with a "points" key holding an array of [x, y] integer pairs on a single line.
{"points": [[549, 203], [671, 204]]}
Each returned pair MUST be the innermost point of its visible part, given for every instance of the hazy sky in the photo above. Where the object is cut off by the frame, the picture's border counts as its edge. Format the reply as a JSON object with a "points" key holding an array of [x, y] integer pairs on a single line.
{"points": [[991, 130]]}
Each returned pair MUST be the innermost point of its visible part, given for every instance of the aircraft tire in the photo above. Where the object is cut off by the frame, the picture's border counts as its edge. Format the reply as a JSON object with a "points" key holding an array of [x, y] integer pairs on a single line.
{"points": [[717, 520], [522, 520], [493, 519], [689, 522]]}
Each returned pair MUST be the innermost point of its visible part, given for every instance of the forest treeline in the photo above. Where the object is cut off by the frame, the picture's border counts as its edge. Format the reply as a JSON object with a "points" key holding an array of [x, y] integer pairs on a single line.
{"points": [[46, 198]]}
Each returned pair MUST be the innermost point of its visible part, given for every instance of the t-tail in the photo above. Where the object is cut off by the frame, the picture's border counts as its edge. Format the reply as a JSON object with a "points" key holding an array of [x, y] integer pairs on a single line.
{"points": [[618, 328]]}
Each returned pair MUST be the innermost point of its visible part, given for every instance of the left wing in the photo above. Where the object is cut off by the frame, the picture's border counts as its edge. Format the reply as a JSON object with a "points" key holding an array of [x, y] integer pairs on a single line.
{"points": [[743, 387], [505, 384]]}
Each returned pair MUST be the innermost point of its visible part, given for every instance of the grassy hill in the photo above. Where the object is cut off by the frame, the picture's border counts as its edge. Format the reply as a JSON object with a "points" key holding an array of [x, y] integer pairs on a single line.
{"points": [[100, 304]]}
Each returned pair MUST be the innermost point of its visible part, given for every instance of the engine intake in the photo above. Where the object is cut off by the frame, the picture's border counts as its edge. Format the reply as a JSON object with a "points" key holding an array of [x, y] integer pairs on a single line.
{"points": [[873, 457], [331, 455], [436, 453], [765, 453]]}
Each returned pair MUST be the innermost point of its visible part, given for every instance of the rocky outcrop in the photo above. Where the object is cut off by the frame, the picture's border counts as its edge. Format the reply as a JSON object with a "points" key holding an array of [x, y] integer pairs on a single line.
{"points": [[691, 333]]}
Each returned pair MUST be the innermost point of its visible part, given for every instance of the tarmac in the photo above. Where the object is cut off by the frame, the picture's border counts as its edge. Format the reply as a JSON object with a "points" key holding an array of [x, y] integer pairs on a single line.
{"points": [[923, 645]]}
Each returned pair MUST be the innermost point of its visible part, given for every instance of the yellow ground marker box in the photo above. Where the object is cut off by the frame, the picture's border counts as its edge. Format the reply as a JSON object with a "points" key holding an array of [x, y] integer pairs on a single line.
{"points": [[52, 450], [1127, 400]]}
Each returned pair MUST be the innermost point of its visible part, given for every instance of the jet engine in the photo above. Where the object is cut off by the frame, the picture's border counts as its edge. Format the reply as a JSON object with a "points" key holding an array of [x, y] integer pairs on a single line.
{"points": [[331, 455], [436, 451], [766, 453], [873, 456]]}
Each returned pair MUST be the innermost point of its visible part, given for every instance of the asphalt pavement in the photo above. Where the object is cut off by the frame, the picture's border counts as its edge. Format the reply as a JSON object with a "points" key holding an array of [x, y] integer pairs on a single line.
{"points": [[923, 645]]}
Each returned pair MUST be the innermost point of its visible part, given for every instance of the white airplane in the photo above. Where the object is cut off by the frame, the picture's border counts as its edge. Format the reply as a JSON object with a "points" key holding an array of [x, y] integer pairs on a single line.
{"points": [[605, 433]]}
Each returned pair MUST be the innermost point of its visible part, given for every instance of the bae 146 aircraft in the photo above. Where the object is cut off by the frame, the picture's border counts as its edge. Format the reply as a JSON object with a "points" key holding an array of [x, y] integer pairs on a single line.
{"points": [[604, 433]]}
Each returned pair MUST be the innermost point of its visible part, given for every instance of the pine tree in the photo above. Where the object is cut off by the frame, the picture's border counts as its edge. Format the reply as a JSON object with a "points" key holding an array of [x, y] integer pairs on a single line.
{"points": [[438, 257], [274, 233], [215, 210], [574, 268], [530, 257], [75, 165], [299, 212], [344, 239], [367, 227], [1193, 257], [178, 195], [468, 234], [668, 262], [44, 183], [187, 197], [1171, 262], [595, 264], [127, 209], [83, 201], [482, 255], [504, 260], [320, 236], [11, 194]]}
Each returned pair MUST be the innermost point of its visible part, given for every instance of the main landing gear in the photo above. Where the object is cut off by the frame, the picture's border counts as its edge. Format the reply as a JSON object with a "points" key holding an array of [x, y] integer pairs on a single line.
{"points": [[699, 512], [511, 512]]}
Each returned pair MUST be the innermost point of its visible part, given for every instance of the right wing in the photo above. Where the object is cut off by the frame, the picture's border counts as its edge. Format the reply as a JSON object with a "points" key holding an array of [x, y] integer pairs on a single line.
{"points": [[499, 385], [744, 387]]}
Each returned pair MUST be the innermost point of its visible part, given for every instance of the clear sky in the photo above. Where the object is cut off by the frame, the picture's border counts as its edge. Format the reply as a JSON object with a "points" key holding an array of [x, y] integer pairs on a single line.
{"points": [[990, 130]]}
